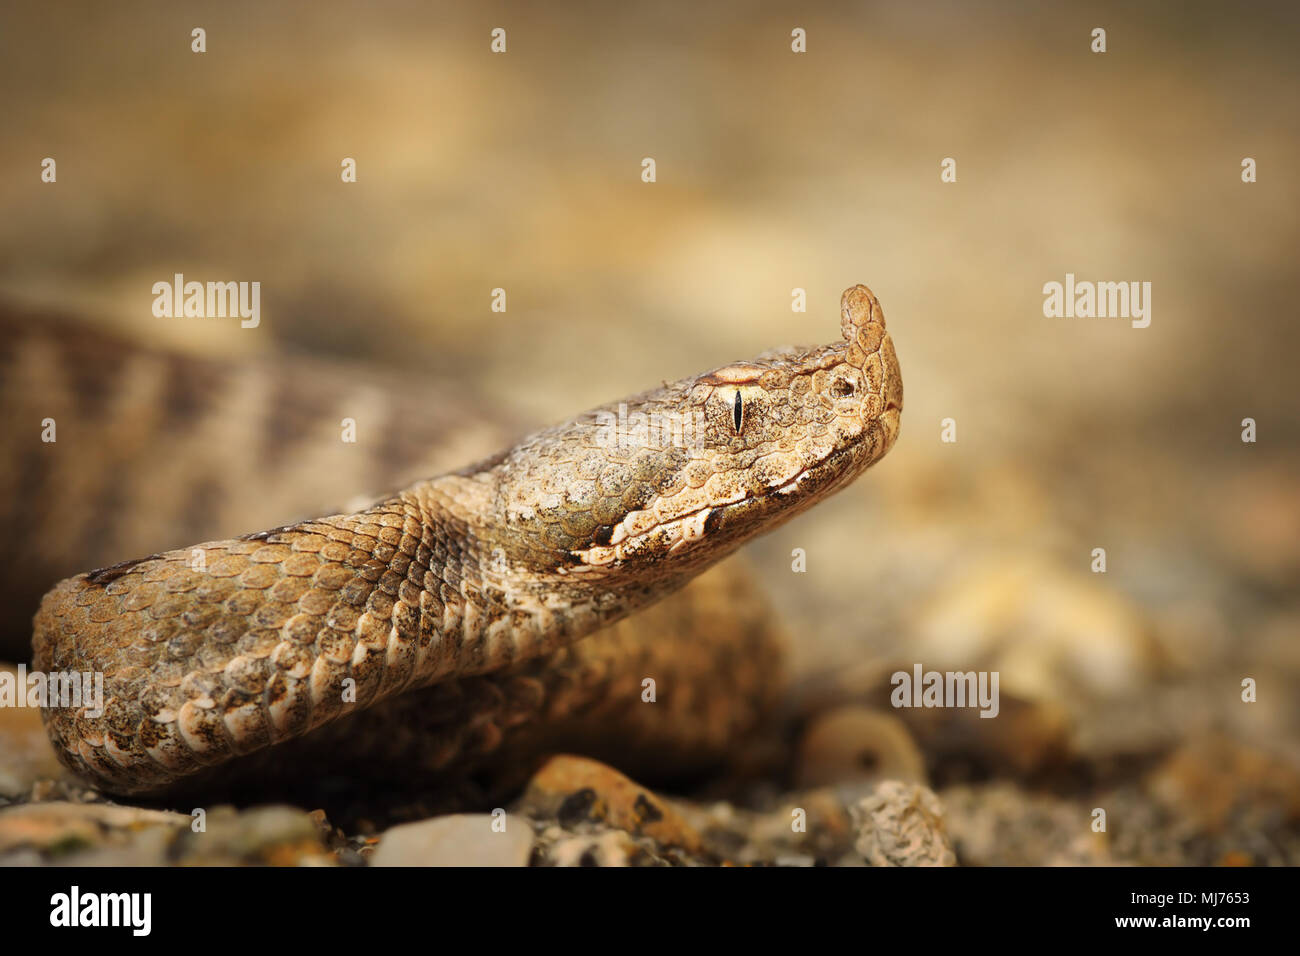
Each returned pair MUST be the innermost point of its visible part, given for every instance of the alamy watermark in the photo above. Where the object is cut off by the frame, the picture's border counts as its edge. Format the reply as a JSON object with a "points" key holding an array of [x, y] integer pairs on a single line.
{"points": [[639, 430], [1084, 299], [922, 688], [54, 689], [75, 908], [213, 300]]}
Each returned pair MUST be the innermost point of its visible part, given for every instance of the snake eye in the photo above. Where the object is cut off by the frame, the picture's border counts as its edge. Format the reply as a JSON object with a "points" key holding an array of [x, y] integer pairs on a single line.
{"points": [[843, 388], [738, 411]]}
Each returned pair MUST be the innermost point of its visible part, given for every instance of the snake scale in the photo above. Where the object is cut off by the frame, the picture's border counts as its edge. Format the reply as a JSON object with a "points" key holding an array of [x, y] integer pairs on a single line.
{"points": [[481, 612]]}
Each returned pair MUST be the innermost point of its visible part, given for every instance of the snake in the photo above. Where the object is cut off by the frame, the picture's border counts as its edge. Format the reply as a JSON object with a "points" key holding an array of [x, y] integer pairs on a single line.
{"points": [[488, 610]]}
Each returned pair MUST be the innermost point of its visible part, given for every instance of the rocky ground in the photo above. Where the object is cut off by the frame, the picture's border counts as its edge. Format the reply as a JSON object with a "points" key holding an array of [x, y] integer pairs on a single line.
{"points": [[1214, 802]]}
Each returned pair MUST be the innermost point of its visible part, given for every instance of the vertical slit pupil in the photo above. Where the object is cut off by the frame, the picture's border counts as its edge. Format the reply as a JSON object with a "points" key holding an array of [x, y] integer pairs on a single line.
{"points": [[738, 411]]}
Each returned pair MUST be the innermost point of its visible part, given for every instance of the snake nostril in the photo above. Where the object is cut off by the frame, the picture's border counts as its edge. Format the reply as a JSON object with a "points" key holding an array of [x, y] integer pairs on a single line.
{"points": [[842, 388]]}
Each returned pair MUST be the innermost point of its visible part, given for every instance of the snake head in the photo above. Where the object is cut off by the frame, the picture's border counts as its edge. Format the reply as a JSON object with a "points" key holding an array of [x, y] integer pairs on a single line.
{"points": [[682, 475]]}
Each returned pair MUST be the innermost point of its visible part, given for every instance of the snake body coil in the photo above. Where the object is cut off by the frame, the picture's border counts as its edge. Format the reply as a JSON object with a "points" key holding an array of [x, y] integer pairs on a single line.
{"points": [[481, 580]]}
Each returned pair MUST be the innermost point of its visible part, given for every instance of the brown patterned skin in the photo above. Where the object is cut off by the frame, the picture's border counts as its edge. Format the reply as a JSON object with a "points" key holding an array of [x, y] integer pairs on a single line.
{"points": [[158, 449], [712, 650], [220, 650]]}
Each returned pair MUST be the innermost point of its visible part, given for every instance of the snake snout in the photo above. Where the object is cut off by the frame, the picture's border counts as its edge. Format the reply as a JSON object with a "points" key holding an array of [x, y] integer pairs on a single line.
{"points": [[861, 317], [870, 349]]}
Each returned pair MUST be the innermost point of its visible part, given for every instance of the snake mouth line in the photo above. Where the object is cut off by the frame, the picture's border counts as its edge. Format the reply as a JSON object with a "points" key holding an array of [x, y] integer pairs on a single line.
{"points": [[675, 534]]}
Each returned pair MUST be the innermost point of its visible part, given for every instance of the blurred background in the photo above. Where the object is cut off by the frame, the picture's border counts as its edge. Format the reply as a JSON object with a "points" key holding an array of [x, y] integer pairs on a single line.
{"points": [[775, 170]]}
